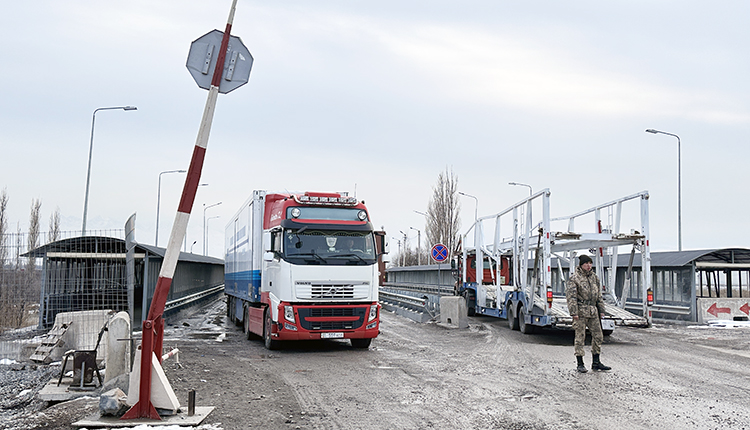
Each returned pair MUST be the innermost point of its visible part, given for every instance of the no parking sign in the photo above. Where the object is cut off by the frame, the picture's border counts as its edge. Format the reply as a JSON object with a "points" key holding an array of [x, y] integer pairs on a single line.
{"points": [[439, 253]]}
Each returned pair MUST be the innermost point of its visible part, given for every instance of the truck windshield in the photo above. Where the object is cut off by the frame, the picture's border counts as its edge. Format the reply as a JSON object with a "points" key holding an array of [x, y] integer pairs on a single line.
{"points": [[307, 246]]}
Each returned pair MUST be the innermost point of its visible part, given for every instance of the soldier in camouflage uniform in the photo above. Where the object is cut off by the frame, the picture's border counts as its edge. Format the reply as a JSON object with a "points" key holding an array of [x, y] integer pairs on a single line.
{"points": [[585, 303]]}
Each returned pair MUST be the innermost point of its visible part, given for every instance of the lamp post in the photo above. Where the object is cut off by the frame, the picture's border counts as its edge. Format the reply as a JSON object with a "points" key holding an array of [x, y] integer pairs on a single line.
{"points": [[679, 185], [522, 185], [185, 240], [88, 172], [204, 223], [207, 220], [419, 245], [158, 202], [476, 204]]}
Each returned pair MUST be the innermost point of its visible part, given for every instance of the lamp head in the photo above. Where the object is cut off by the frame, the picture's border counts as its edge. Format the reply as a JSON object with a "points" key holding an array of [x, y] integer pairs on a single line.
{"points": [[130, 108], [651, 130]]}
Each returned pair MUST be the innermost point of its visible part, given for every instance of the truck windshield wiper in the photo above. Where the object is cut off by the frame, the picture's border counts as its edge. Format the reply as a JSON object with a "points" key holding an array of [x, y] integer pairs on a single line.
{"points": [[351, 255], [308, 254]]}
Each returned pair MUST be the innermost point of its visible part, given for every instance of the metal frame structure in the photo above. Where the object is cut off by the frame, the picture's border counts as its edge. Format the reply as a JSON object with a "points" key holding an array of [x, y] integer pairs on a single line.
{"points": [[530, 246]]}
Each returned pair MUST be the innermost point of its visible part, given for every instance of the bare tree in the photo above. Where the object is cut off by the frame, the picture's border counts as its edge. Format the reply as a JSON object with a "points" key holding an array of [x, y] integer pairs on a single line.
{"points": [[54, 226], [3, 227], [33, 238], [443, 212]]}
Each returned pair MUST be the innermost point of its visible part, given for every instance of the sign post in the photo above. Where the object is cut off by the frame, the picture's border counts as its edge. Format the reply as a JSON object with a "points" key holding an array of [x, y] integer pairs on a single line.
{"points": [[439, 253], [220, 73]]}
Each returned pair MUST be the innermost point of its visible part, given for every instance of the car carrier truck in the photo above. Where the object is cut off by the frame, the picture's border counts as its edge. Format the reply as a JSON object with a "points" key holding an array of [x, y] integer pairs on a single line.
{"points": [[519, 280], [304, 266]]}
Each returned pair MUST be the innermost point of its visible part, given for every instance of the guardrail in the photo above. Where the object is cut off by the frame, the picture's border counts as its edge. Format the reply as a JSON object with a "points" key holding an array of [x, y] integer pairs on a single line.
{"points": [[414, 304], [443, 290], [184, 301]]}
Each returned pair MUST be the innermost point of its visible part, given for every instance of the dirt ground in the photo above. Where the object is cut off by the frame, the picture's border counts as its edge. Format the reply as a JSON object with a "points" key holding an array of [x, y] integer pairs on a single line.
{"points": [[421, 376]]}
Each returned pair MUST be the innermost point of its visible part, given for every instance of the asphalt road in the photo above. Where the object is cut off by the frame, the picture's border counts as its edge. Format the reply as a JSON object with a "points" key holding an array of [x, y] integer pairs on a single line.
{"points": [[421, 376]]}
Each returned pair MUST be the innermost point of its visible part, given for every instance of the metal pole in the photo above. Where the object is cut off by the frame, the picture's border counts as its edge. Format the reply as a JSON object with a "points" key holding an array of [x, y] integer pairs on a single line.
{"points": [[158, 202], [679, 184], [88, 171], [204, 224], [419, 245]]}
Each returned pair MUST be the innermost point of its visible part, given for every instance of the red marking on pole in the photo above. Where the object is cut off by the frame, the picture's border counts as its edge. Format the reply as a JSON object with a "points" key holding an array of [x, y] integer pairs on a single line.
{"points": [[219, 70], [745, 308], [161, 292], [192, 180], [715, 311]]}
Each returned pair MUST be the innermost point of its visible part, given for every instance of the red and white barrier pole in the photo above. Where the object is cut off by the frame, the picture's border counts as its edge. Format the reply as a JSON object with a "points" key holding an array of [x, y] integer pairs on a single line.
{"points": [[153, 326]]}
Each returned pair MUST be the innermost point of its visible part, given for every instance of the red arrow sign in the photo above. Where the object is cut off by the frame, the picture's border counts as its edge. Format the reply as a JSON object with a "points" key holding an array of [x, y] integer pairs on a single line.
{"points": [[745, 308], [715, 311]]}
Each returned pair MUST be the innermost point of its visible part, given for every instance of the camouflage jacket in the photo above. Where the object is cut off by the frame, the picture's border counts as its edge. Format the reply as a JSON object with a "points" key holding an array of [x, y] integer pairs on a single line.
{"points": [[584, 294]]}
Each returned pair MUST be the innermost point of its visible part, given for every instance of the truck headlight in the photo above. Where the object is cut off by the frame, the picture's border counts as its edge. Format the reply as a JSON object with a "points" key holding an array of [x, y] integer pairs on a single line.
{"points": [[373, 312], [289, 313]]}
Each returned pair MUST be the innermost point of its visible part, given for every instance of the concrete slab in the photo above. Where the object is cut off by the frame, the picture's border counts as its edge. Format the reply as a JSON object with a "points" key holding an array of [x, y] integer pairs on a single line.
{"points": [[180, 419], [52, 393]]}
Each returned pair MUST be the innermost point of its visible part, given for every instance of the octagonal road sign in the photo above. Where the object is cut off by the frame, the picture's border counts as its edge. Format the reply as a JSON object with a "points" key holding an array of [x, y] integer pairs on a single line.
{"points": [[204, 53], [439, 253]]}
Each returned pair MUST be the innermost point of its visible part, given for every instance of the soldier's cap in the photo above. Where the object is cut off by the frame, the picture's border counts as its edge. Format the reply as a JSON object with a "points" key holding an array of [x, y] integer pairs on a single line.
{"points": [[584, 259]]}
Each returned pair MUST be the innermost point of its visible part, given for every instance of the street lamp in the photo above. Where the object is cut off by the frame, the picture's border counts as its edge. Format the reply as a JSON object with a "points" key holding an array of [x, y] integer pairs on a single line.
{"points": [[191, 246], [88, 174], [679, 185], [184, 241], [476, 204], [522, 185], [207, 220], [204, 223], [158, 202], [419, 245]]}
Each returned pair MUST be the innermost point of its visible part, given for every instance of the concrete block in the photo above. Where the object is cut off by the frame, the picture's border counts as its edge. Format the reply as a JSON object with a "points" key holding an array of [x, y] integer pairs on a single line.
{"points": [[453, 311], [118, 351], [162, 394]]}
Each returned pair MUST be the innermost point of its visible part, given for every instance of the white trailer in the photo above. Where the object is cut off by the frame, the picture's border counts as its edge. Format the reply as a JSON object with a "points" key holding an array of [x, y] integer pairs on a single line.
{"points": [[514, 279]]}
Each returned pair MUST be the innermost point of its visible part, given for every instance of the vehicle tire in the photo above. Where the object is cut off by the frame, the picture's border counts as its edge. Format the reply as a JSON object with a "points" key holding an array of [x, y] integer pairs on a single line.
{"points": [[360, 343], [525, 328], [270, 343], [607, 332], [512, 318], [470, 310]]}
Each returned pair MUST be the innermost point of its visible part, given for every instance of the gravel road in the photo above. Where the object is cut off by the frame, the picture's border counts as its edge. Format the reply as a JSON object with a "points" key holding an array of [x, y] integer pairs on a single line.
{"points": [[421, 376]]}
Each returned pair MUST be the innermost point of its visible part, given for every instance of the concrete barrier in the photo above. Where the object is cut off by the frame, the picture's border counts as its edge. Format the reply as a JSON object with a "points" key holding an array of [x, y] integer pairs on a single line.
{"points": [[118, 347], [453, 311], [723, 309]]}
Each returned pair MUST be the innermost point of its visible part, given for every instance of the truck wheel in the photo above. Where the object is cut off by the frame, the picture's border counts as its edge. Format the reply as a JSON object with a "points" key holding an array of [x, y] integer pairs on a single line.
{"points": [[270, 343], [360, 343], [512, 319], [525, 328], [470, 310]]}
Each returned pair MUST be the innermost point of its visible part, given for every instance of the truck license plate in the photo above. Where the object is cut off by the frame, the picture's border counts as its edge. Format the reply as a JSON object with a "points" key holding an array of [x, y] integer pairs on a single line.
{"points": [[335, 335]]}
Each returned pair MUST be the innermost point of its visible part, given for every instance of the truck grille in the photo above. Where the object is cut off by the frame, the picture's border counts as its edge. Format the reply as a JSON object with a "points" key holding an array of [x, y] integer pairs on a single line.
{"points": [[313, 318], [329, 291]]}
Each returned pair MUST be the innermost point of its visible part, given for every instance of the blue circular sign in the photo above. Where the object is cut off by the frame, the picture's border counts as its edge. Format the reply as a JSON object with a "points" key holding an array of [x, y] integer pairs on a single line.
{"points": [[439, 253]]}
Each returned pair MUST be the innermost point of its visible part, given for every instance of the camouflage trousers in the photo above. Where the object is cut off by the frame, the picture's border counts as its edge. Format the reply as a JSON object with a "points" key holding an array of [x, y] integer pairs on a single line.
{"points": [[595, 327]]}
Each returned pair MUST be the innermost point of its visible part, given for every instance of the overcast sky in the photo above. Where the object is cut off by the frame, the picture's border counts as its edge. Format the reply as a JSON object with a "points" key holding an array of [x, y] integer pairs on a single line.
{"points": [[380, 97]]}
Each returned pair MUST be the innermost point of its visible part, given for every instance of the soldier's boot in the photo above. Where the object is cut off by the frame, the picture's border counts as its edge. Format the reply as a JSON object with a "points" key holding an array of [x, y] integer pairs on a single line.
{"points": [[598, 365], [581, 367]]}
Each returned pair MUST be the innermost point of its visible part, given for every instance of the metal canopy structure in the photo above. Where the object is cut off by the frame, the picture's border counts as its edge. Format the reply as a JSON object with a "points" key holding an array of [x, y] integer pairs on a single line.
{"points": [[89, 273]]}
